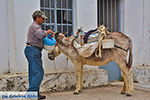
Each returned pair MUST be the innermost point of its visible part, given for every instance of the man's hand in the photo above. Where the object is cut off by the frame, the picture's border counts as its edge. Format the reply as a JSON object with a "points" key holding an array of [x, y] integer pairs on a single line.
{"points": [[49, 31]]}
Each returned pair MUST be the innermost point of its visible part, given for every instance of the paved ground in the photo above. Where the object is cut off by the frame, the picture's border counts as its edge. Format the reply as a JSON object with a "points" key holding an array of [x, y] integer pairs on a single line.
{"points": [[101, 93]]}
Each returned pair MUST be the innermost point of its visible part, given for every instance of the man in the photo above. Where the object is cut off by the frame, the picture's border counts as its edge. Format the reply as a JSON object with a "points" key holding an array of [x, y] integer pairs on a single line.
{"points": [[33, 52]]}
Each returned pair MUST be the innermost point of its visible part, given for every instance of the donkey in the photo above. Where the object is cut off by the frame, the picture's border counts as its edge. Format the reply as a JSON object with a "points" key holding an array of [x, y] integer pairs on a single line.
{"points": [[118, 54]]}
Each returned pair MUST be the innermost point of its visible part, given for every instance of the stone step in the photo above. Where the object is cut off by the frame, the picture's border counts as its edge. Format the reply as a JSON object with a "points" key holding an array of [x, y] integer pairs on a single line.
{"points": [[59, 81], [137, 86], [143, 86], [141, 74]]}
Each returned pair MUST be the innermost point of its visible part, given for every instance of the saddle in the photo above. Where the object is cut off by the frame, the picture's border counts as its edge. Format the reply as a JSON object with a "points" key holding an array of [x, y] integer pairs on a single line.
{"points": [[93, 41]]}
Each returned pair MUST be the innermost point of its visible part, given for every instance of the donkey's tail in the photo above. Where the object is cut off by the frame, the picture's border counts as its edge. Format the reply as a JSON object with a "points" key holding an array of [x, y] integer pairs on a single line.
{"points": [[130, 58]]}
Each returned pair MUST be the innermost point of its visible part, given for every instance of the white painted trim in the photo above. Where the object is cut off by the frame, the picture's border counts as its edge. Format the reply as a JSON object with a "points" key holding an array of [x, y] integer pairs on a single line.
{"points": [[74, 16], [4, 48]]}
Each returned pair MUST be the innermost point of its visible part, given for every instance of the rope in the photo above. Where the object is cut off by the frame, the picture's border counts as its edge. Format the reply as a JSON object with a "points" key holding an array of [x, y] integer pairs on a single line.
{"points": [[55, 66], [102, 35]]}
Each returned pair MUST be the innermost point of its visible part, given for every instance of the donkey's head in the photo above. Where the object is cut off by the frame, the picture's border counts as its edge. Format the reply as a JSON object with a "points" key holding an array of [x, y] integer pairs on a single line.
{"points": [[53, 53], [63, 44]]}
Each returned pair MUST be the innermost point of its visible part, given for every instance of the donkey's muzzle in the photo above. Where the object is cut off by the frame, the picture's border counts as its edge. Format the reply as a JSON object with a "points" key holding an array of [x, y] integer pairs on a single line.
{"points": [[51, 56]]}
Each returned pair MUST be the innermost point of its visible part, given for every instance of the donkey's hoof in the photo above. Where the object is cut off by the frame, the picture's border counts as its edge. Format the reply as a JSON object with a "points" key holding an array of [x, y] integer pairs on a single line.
{"points": [[123, 93], [128, 95], [80, 91], [76, 93]]}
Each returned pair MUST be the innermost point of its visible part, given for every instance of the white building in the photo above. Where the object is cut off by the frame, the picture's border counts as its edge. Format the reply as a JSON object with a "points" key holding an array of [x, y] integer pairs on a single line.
{"points": [[132, 18]]}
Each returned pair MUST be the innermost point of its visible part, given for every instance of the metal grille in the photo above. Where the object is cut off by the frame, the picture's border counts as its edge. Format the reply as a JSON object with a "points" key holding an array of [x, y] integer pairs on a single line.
{"points": [[108, 13], [59, 13]]}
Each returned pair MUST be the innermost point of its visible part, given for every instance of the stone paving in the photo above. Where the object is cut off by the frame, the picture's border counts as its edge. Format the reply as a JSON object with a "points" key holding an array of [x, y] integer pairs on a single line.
{"points": [[101, 93]]}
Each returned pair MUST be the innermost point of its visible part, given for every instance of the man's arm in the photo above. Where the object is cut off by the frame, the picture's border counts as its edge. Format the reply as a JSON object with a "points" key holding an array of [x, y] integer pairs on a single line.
{"points": [[41, 33]]}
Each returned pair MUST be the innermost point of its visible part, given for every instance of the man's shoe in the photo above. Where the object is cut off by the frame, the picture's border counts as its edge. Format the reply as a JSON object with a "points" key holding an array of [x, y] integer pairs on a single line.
{"points": [[41, 97]]}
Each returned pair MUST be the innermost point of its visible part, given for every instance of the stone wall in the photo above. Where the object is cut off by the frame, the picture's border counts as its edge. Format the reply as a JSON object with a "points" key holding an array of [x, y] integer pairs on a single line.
{"points": [[55, 81]]}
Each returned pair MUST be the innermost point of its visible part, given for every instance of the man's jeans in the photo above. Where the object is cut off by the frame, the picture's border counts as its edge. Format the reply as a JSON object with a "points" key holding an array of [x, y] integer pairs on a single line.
{"points": [[35, 69]]}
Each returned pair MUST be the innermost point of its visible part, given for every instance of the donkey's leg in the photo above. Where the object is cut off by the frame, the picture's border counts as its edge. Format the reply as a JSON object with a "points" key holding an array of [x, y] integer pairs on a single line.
{"points": [[129, 86], [79, 78], [128, 83], [124, 85], [128, 80], [124, 88]]}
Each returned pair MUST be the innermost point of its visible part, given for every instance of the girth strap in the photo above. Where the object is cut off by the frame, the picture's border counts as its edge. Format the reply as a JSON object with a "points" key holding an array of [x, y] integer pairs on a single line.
{"points": [[121, 48]]}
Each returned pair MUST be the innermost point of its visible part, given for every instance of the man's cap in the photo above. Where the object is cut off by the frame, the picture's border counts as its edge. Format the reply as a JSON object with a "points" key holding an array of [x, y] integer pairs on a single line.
{"points": [[39, 13]]}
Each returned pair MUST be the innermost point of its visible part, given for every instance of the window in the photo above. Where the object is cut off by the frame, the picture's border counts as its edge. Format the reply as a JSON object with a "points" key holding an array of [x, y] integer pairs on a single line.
{"points": [[59, 13], [108, 13]]}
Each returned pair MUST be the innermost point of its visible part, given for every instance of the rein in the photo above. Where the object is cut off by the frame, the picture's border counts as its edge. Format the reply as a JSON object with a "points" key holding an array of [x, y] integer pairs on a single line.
{"points": [[61, 43]]}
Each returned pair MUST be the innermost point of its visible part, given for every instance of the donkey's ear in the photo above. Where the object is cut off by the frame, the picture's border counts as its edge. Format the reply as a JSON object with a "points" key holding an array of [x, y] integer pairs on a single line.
{"points": [[56, 35]]}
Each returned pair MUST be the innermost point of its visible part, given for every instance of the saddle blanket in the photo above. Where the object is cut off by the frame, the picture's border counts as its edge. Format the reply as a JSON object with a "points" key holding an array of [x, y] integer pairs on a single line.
{"points": [[86, 50]]}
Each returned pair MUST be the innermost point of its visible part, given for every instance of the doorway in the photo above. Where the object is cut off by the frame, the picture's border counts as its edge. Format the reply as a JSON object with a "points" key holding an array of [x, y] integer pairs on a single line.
{"points": [[108, 15]]}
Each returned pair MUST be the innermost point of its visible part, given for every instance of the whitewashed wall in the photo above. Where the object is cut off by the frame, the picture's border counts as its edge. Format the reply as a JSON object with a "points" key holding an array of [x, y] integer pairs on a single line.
{"points": [[86, 14], [16, 20], [16, 17], [23, 10], [146, 32], [136, 25]]}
